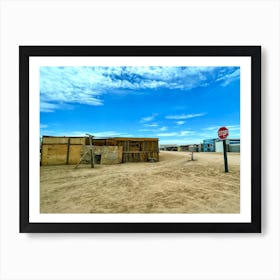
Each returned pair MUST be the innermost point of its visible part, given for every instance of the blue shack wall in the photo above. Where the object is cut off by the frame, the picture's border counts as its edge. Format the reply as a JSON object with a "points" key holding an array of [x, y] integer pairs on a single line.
{"points": [[209, 145]]}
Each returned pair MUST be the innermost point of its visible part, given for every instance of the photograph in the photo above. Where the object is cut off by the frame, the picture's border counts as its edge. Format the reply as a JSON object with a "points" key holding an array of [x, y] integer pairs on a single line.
{"points": [[140, 138]]}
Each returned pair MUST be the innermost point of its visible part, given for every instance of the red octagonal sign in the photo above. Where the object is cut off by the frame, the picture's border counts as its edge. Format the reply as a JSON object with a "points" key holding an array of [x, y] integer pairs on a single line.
{"points": [[223, 133]]}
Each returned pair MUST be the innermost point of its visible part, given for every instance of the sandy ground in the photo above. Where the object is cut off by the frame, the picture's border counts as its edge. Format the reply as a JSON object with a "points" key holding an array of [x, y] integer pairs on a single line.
{"points": [[175, 184]]}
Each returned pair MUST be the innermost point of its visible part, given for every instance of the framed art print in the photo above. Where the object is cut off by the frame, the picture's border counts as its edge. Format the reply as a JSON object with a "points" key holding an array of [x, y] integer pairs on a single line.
{"points": [[140, 139]]}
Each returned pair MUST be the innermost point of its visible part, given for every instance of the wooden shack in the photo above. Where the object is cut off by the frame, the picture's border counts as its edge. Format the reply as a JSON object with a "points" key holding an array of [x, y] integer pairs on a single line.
{"points": [[68, 150], [61, 150]]}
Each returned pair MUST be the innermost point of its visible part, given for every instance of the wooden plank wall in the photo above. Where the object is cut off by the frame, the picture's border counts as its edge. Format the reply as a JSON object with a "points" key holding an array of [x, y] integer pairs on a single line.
{"points": [[139, 150], [61, 150], [67, 150], [53, 154], [134, 150]]}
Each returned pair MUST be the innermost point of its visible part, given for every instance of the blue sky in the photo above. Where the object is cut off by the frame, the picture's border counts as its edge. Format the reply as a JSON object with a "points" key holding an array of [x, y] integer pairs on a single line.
{"points": [[178, 105]]}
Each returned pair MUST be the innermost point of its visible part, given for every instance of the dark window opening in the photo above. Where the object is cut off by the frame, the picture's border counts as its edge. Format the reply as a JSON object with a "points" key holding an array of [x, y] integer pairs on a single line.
{"points": [[97, 159]]}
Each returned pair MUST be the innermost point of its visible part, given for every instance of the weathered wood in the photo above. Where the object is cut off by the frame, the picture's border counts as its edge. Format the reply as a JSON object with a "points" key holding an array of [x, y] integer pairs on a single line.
{"points": [[75, 153], [68, 149], [91, 151], [77, 140], [53, 154], [84, 155], [54, 140], [108, 154], [133, 149]]}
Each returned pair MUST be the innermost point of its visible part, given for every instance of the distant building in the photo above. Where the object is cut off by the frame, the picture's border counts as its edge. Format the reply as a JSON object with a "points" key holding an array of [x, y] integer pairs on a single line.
{"points": [[169, 147], [209, 145], [216, 145], [232, 145], [190, 147]]}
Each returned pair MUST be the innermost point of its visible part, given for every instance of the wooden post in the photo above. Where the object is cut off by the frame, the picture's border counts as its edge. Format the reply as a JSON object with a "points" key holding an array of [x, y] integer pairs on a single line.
{"points": [[68, 149], [81, 159], [88, 151], [91, 151]]}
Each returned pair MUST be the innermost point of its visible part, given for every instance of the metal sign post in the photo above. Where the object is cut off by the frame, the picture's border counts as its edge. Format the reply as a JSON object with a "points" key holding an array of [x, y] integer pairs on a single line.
{"points": [[225, 155], [223, 134]]}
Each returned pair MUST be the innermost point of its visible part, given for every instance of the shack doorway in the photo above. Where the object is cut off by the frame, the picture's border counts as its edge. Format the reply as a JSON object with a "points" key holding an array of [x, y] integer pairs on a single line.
{"points": [[97, 159]]}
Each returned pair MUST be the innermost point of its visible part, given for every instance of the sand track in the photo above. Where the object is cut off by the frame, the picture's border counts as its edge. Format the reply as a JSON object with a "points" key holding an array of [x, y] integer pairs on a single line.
{"points": [[173, 185]]}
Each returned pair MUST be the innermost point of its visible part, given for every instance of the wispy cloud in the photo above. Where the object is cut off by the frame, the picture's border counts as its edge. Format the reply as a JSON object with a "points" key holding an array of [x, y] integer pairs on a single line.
{"points": [[230, 127], [180, 122], [228, 78], [43, 125], [212, 131], [184, 116], [167, 134], [178, 134], [212, 128], [186, 132], [163, 128], [180, 141], [146, 130], [99, 134], [87, 85], [48, 107], [148, 119], [233, 127], [111, 134], [151, 125]]}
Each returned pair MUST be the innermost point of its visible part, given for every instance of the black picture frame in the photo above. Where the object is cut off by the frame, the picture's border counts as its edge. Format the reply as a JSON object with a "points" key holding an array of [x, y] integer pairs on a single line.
{"points": [[254, 52]]}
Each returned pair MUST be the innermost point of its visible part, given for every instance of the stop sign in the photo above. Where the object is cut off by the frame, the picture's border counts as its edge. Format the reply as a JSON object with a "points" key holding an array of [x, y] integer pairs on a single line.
{"points": [[223, 133]]}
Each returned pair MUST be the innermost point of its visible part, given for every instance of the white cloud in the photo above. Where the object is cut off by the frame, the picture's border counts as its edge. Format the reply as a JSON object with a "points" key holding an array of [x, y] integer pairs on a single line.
{"points": [[48, 107], [167, 134], [180, 141], [184, 116], [211, 128], [99, 134], [179, 133], [146, 130], [86, 85], [180, 122], [186, 132], [148, 119], [233, 127], [151, 125], [163, 128], [229, 78], [111, 134], [229, 127], [60, 85], [43, 125]]}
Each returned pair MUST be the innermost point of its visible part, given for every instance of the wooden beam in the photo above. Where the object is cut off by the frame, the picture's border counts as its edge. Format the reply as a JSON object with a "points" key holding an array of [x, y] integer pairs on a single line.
{"points": [[91, 151], [68, 149]]}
